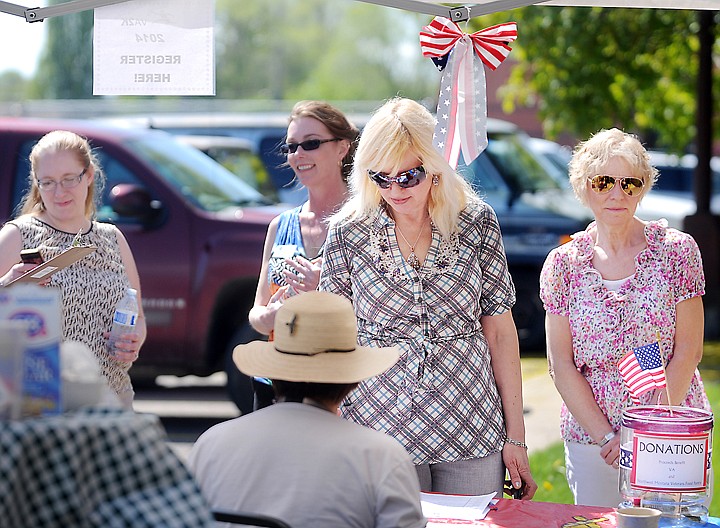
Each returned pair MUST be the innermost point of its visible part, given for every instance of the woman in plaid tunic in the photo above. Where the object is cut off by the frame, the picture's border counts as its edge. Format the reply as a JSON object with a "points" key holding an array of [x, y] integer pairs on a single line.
{"points": [[421, 258]]}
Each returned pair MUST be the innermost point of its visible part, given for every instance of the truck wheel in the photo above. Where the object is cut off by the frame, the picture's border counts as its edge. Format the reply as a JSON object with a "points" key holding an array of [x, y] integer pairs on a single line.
{"points": [[239, 386], [529, 314]]}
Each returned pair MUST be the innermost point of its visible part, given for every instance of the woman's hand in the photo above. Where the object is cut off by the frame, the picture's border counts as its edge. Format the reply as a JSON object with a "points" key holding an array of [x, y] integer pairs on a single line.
{"points": [[262, 317], [516, 461], [305, 275], [18, 270], [127, 347], [611, 451]]}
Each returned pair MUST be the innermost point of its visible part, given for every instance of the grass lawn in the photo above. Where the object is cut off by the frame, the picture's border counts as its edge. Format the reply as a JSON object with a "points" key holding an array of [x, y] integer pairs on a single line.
{"points": [[548, 466]]}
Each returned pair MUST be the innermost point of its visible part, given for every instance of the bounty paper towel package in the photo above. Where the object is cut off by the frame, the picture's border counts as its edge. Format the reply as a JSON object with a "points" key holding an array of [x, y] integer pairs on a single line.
{"points": [[39, 309], [12, 350]]}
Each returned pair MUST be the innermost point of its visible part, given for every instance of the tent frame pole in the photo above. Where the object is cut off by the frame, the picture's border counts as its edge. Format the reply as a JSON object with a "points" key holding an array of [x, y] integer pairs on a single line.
{"points": [[38, 14]]}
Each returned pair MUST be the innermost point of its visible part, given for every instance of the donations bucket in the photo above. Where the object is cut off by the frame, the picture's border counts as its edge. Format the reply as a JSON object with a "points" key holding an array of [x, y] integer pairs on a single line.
{"points": [[665, 455]]}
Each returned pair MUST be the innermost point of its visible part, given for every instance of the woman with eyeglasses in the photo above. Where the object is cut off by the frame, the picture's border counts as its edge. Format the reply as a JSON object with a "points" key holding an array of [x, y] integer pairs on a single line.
{"points": [[319, 146], [621, 284], [421, 257], [58, 211]]}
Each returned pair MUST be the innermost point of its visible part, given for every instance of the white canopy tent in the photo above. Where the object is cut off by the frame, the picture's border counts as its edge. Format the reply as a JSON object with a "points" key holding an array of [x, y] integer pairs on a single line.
{"points": [[462, 11]]}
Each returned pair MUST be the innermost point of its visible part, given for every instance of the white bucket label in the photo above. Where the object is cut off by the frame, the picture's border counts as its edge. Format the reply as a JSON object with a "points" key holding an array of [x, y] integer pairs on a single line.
{"points": [[668, 462]]}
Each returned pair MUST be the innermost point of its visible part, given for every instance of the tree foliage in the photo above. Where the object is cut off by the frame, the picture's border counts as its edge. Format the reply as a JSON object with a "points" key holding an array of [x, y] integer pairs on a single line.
{"points": [[274, 49], [315, 49], [65, 67], [12, 85], [592, 68]]}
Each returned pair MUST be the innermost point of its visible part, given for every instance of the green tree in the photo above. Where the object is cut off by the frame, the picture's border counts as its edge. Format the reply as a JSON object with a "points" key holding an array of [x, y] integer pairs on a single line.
{"points": [[279, 49], [592, 68], [65, 67], [13, 86], [336, 50]]}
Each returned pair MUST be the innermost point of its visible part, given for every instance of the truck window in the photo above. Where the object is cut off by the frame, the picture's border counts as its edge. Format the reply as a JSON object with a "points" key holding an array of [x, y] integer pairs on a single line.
{"points": [[201, 180]]}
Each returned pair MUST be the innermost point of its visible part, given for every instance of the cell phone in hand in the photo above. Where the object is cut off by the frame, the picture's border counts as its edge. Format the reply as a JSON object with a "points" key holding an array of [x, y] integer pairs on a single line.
{"points": [[31, 256], [510, 490]]}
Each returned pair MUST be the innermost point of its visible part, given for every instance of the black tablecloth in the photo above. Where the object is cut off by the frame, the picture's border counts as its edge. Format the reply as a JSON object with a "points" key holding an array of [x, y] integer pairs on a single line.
{"points": [[95, 468]]}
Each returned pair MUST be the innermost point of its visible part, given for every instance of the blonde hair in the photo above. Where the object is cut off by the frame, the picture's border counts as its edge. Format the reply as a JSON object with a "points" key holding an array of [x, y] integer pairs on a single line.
{"points": [[59, 141], [591, 155], [398, 127]]}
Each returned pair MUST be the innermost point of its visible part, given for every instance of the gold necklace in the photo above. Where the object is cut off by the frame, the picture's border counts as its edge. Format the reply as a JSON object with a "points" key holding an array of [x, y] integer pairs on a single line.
{"points": [[412, 258]]}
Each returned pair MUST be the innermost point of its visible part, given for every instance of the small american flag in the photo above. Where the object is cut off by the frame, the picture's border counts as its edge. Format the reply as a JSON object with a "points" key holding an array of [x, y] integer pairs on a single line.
{"points": [[642, 369]]}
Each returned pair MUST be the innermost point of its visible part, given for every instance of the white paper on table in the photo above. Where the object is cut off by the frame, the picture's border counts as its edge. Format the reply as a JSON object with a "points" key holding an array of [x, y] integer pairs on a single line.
{"points": [[460, 507], [154, 47]]}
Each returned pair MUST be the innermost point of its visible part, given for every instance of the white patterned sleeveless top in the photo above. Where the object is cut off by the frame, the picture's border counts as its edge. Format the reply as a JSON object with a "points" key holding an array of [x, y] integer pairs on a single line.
{"points": [[91, 288]]}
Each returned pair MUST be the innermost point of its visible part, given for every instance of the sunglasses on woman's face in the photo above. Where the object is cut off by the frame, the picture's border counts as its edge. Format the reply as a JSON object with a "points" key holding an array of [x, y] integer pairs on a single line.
{"points": [[602, 183], [404, 180], [309, 144]]}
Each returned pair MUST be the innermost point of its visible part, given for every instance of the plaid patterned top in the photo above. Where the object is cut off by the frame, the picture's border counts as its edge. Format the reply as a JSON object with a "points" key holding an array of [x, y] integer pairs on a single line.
{"points": [[440, 400]]}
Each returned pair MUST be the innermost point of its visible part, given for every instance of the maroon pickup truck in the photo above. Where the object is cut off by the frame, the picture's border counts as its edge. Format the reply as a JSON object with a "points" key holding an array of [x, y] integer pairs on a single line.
{"points": [[196, 231]]}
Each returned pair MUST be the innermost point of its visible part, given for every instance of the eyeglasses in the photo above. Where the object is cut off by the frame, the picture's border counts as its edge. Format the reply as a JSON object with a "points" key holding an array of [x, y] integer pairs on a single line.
{"points": [[65, 183], [404, 180], [602, 183], [309, 144]]}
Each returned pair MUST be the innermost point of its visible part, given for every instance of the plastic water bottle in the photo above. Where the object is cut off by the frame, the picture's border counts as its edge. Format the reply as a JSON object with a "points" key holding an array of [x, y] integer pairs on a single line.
{"points": [[124, 319]]}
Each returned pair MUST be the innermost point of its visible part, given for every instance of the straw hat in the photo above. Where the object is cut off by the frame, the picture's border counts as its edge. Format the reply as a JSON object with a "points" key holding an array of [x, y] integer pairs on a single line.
{"points": [[316, 342]]}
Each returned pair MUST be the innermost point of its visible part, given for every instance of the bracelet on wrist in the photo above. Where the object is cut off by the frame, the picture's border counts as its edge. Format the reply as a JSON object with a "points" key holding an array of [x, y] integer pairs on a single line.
{"points": [[606, 438], [515, 442]]}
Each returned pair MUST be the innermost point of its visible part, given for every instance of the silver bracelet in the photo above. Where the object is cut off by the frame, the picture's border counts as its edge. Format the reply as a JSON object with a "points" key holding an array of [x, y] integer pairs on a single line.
{"points": [[515, 443], [606, 438]]}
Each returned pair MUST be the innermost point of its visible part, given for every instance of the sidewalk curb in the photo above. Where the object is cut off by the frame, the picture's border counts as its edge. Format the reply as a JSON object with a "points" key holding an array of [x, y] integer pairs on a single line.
{"points": [[541, 405]]}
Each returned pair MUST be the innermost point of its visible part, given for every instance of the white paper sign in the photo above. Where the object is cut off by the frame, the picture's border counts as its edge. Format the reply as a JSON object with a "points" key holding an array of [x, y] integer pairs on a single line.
{"points": [[440, 507], [154, 47], [669, 462]]}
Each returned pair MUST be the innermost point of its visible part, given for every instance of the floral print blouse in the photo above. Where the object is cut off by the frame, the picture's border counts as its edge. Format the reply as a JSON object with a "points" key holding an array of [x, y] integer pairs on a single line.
{"points": [[440, 400], [606, 324]]}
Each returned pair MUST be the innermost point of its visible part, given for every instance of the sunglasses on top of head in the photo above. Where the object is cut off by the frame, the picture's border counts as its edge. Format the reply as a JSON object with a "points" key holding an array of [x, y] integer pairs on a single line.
{"points": [[404, 180], [308, 144], [602, 183]]}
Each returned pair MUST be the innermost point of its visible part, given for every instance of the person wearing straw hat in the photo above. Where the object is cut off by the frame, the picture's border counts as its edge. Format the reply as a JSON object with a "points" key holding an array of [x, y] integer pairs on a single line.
{"points": [[298, 460], [622, 286]]}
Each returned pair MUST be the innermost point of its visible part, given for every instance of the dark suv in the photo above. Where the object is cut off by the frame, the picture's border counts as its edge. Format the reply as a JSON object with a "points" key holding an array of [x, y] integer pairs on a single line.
{"points": [[536, 211], [196, 231]]}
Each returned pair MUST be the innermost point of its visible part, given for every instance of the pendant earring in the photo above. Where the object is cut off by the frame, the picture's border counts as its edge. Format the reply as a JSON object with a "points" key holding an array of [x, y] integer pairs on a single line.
{"points": [[435, 180]]}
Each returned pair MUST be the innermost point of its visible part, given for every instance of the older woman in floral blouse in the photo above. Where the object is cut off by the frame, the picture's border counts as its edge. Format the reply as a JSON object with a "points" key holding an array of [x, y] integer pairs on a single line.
{"points": [[615, 287]]}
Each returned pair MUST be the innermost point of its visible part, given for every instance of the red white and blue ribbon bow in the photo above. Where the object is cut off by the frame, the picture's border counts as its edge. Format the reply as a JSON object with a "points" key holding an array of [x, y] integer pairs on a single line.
{"points": [[462, 106]]}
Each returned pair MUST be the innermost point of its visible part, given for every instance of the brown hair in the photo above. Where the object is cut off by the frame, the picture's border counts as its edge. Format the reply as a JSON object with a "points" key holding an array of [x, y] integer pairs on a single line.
{"points": [[294, 391], [335, 121]]}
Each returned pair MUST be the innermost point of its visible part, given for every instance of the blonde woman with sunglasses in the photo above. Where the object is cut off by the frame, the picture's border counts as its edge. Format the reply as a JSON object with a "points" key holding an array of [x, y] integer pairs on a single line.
{"points": [[619, 285], [422, 260]]}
